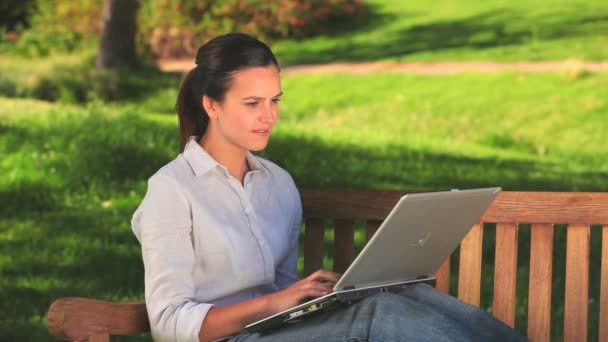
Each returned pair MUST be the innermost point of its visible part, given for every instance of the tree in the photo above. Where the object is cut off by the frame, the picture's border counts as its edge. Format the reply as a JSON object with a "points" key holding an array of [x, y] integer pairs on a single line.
{"points": [[117, 44]]}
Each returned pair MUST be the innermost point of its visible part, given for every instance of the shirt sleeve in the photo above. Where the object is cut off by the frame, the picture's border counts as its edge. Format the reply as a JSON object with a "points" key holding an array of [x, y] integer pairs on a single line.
{"points": [[286, 273], [163, 225]]}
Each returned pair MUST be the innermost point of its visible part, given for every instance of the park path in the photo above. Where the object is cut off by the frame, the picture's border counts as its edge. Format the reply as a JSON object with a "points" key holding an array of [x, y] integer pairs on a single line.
{"points": [[417, 67]]}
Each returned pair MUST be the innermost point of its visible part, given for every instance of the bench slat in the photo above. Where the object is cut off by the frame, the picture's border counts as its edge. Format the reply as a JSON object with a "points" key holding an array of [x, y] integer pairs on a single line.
{"points": [[604, 288], [443, 277], [549, 207], [509, 206], [370, 228], [314, 245], [505, 272], [82, 318], [469, 280], [577, 283], [539, 290], [349, 204], [99, 338], [344, 244]]}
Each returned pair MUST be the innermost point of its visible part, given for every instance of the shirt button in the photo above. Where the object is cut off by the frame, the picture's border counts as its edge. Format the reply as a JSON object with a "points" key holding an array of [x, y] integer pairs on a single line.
{"points": [[269, 275], [248, 210], [261, 242]]}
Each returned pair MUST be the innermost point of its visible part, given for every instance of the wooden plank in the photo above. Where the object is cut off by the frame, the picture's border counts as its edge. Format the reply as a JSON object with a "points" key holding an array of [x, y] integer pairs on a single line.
{"points": [[314, 245], [505, 272], [512, 207], [549, 207], [469, 278], [370, 228], [349, 204], [577, 283], [344, 244], [80, 319], [539, 290], [443, 277], [99, 338], [604, 288]]}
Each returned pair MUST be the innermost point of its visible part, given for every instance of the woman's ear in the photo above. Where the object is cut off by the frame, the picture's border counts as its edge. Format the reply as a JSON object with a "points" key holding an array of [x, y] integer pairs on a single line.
{"points": [[209, 106]]}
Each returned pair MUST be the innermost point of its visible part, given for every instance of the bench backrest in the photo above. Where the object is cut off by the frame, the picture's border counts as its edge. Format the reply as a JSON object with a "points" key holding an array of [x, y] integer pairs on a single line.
{"points": [[93, 320], [544, 211]]}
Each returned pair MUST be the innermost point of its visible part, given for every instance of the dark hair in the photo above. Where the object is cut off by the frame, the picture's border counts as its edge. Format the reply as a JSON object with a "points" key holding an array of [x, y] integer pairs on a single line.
{"points": [[216, 62]]}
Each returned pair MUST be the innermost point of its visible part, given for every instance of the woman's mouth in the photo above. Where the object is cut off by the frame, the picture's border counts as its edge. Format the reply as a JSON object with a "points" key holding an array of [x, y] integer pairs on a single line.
{"points": [[262, 132]]}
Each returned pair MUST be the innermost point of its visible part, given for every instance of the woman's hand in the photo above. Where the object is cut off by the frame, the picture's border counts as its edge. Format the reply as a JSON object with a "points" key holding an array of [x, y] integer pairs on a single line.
{"points": [[317, 284], [225, 320]]}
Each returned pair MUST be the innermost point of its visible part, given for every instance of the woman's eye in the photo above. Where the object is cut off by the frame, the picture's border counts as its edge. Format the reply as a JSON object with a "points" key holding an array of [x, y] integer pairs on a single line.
{"points": [[276, 100], [251, 104]]}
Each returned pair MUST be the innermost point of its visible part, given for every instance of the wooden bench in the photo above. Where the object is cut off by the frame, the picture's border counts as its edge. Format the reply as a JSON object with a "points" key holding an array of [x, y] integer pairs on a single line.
{"points": [[93, 320]]}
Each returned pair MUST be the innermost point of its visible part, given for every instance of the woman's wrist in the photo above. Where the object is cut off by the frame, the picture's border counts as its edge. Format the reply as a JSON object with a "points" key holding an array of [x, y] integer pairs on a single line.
{"points": [[270, 303]]}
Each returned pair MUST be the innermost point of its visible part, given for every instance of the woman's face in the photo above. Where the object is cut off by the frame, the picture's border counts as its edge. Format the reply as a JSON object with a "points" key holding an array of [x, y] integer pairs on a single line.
{"points": [[250, 108]]}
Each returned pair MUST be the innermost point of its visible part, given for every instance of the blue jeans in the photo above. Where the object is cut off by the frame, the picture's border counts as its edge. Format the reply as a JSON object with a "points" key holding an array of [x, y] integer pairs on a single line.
{"points": [[417, 313]]}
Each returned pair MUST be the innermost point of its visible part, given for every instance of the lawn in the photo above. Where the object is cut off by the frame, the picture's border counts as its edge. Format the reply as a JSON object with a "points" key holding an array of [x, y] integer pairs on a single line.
{"points": [[463, 30], [74, 174]]}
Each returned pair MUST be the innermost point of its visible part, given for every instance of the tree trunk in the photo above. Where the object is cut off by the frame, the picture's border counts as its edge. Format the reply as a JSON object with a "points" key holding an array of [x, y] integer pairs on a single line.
{"points": [[117, 45]]}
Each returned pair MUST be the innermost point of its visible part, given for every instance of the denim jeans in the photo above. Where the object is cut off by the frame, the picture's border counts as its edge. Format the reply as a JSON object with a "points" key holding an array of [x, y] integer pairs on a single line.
{"points": [[417, 313]]}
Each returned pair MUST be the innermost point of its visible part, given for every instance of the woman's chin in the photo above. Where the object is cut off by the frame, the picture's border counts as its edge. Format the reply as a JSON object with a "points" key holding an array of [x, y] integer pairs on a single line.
{"points": [[258, 146]]}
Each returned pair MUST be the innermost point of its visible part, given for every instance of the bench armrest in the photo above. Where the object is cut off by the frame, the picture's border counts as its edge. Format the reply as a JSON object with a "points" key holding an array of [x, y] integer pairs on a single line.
{"points": [[80, 318]]}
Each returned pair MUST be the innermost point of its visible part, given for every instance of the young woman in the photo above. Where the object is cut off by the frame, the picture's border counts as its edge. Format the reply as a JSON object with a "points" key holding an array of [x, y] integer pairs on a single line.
{"points": [[219, 227]]}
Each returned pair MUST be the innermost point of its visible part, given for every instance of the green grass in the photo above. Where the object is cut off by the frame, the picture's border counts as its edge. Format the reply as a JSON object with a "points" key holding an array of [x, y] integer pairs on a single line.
{"points": [[523, 131], [73, 175], [461, 30]]}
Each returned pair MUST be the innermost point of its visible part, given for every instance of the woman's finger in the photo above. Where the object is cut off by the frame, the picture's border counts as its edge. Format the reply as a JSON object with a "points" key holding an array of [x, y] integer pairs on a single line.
{"points": [[318, 286], [324, 275], [315, 292]]}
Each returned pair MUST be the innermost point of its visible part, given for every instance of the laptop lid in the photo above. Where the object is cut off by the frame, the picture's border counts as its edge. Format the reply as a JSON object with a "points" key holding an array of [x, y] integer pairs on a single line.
{"points": [[419, 233]]}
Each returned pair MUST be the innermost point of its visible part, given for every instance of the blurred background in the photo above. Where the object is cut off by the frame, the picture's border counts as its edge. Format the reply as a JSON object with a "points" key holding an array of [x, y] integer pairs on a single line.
{"points": [[436, 95]]}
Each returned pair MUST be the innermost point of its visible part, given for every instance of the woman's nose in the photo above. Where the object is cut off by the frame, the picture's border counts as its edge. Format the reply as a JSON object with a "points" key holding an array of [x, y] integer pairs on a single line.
{"points": [[268, 114]]}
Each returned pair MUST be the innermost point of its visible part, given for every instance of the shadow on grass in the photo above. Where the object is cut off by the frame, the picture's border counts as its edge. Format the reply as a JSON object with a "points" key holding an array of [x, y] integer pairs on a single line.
{"points": [[75, 253], [373, 18], [401, 167], [93, 153], [58, 251], [481, 31]]}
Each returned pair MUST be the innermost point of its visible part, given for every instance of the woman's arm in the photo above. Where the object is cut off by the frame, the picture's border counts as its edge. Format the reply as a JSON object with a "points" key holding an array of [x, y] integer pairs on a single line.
{"points": [[230, 319], [163, 226], [286, 272]]}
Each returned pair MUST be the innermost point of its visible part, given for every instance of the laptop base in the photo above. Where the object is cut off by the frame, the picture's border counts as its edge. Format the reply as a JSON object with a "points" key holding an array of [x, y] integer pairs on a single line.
{"points": [[335, 301]]}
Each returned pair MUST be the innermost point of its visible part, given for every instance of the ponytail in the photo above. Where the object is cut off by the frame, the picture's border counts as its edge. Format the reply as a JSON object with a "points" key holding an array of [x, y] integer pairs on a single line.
{"points": [[193, 119]]}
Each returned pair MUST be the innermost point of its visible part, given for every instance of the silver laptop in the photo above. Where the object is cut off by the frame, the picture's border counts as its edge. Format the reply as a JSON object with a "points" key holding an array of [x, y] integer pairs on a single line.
{"points": [[420, 232]]}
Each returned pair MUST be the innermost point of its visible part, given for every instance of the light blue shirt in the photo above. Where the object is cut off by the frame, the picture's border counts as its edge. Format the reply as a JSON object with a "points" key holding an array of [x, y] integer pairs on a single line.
{"points": [[209, 240]]}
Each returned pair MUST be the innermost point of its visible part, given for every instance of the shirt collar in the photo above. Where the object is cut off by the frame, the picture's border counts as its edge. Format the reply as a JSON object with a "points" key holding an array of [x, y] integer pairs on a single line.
{"points": [[201, 162]]}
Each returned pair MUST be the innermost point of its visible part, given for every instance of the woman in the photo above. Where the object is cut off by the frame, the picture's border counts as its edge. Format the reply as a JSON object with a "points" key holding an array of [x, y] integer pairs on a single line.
{"points": [[219, 226]]}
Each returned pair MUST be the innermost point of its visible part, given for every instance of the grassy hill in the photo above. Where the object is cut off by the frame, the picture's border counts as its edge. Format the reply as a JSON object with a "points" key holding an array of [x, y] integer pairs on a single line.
{"points": [[462, 30]]}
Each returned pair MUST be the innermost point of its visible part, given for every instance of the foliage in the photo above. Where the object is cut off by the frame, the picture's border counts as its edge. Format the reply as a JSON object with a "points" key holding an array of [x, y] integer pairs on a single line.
{"points": [[173, 28], [74, 79], [178, 28], [82, 16], [38, 43], [59, 27], [14, 14]]}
